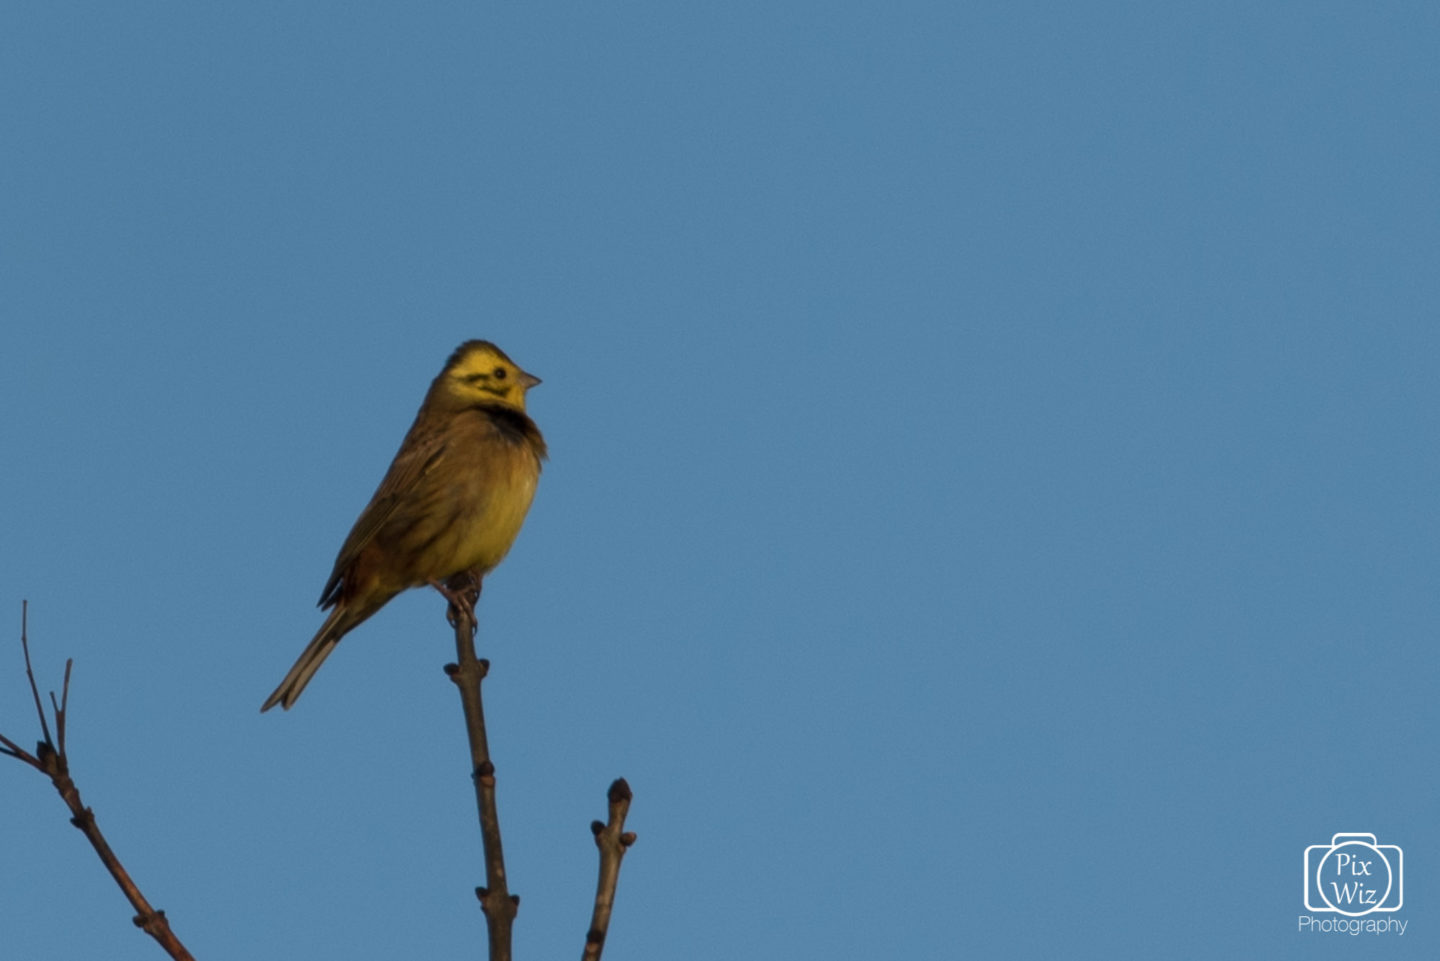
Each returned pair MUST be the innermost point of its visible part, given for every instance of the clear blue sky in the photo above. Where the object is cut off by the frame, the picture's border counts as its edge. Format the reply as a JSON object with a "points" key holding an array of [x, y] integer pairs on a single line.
{"points": [[992, 507]]}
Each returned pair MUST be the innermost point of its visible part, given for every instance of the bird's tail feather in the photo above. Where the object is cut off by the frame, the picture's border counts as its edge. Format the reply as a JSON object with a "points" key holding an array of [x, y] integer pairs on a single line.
{"points": [[336, 625]]}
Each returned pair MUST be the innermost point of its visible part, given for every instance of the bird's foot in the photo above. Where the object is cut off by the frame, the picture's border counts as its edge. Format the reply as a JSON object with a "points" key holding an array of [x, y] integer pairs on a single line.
{"points": [[462, 591]]}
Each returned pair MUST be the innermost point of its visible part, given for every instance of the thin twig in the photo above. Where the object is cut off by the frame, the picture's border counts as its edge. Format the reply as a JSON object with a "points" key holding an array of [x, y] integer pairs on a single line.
{"points": [[29, 672], [498, 904], [613, 841], [60, 712], [17, 752], [51, 760]]}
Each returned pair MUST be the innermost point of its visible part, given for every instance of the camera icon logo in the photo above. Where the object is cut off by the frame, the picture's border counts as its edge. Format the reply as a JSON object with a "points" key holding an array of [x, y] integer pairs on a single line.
{"points": [[1354, 876]]}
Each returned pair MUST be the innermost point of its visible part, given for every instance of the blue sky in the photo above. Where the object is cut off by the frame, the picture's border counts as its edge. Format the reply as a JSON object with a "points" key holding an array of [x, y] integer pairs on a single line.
{"points": [[992, 498]]}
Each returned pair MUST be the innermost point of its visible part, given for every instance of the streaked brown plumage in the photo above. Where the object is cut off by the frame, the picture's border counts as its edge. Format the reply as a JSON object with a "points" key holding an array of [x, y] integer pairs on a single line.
{"points": [[450, 505]]}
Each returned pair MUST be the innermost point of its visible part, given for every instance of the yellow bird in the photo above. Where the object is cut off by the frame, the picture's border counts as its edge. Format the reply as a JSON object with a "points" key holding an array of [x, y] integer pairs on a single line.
{"points": [[449, 507]]}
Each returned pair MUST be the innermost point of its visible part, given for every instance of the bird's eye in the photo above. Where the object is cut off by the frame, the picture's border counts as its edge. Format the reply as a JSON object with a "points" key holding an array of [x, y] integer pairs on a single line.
{"points": [[499, 373]]}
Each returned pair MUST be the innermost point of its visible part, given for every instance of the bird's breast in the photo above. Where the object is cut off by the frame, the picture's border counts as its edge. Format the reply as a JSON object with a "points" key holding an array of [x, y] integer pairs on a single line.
{"points": [[494, 496]]}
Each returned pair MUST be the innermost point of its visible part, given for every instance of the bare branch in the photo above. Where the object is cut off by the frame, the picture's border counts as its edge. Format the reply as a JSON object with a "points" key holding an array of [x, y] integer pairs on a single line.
{"points": [[498, 904], [613, 841], [611, 838], [54, 764]]}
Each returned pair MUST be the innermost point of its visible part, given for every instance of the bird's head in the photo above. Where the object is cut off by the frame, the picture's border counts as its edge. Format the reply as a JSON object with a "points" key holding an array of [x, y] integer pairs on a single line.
{"points": [[479, 372]]}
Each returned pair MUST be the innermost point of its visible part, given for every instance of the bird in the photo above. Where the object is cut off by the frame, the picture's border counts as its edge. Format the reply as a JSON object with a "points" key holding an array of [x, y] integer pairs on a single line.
{"points": [[449, 507]]}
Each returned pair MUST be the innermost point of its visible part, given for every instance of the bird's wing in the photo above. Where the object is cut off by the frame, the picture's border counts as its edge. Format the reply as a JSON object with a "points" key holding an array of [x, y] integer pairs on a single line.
{"points": [[418, 456]]}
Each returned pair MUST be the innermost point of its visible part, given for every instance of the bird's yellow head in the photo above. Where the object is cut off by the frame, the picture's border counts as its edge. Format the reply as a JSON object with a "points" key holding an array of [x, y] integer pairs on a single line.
{"points": [[480, 373]]}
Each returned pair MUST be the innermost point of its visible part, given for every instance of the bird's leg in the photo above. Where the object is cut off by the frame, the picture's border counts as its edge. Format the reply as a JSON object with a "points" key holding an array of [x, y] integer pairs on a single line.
{"points": [[462, 591]]}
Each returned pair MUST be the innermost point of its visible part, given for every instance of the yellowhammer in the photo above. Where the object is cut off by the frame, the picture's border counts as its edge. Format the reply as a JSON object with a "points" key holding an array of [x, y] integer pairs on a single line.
{"points": [[449, 507]]}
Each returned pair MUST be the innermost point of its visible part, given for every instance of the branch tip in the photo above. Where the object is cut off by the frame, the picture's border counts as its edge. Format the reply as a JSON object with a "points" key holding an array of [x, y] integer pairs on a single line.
{"points": [[612, 840]]}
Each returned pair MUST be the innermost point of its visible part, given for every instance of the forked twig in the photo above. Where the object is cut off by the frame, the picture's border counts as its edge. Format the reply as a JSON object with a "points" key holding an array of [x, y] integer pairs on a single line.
{"points": [[51, 760]]}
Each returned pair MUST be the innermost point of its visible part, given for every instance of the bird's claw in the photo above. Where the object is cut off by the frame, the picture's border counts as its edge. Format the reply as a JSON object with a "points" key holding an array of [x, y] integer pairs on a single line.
{"points": [[461, 591]]}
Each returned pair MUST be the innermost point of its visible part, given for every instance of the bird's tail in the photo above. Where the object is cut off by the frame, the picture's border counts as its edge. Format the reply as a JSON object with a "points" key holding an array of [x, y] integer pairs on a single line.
{"points": [[335, 627]]}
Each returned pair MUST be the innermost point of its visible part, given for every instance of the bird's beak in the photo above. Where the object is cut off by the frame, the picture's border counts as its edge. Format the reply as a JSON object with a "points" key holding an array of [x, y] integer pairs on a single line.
{"points": [[528, 380]]}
